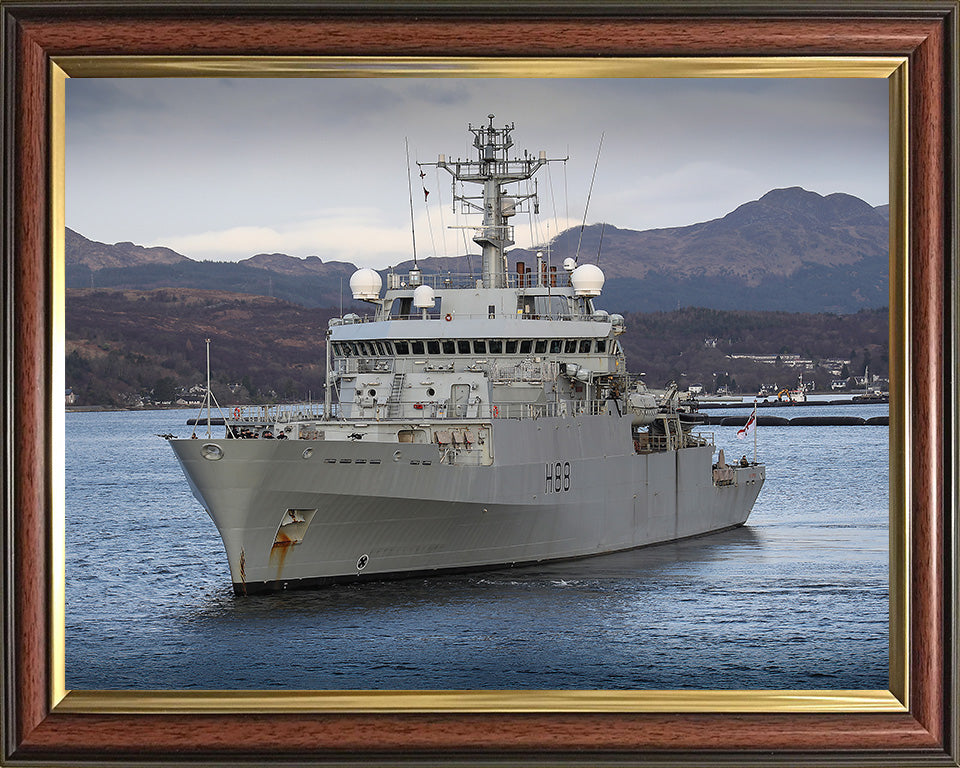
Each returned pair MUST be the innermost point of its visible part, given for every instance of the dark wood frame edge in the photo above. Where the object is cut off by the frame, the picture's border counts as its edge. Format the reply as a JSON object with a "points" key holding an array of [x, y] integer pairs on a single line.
{"points": [[926, 32]]}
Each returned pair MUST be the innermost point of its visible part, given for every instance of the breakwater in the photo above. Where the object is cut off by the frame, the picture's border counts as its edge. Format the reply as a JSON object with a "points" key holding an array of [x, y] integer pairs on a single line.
{"points": [[800, 421], [708, 406]]}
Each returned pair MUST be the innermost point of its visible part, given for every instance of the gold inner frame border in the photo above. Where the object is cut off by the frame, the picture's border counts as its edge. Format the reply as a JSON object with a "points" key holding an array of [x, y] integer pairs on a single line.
{"points": [[893, 69]]}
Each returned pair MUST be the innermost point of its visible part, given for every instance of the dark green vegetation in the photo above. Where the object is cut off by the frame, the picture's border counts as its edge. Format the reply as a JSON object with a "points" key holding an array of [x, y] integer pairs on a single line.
{"points": [[125, 347], [128, 347], [308, 290], [679, 346]]}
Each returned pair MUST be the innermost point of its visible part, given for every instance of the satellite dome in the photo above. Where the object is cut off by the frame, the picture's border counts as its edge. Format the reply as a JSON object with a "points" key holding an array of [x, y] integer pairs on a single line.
{"points": [[365, 284], [569, 264], [423, 297], [587, 280]]}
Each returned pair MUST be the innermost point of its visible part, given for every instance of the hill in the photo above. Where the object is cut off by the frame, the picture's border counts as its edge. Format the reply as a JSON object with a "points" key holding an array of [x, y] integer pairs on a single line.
{"points": [[791, 250], [703, 346], [91, 255], [123, 345]]}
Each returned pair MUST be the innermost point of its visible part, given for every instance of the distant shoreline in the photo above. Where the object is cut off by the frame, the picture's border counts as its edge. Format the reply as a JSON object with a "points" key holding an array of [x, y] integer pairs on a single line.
{"points": [[107, 408]]}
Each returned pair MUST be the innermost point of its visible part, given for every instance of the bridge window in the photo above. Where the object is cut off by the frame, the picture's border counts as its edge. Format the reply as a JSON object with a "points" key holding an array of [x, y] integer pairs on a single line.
{"points": [[511, 348], [541, 346], [525, 346], [448, 346], [416, 347], [402, 347], [585, 345], [480, 347], [433, 347], [556, 346], [496, 346], [601, 345], [463, 346], [570, 346]]}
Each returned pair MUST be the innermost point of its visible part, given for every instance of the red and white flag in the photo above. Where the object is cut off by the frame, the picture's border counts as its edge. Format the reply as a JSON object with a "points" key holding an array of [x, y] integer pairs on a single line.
{"points": [[747, 429]]}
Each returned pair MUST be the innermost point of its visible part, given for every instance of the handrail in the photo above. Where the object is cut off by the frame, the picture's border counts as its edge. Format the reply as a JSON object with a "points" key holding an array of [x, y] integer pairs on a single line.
{"points": [[398, 280], [414, 316]]}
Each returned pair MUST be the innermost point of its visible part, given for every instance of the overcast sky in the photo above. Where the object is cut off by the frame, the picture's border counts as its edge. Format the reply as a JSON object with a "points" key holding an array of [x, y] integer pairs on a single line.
{"points": [[227, 168]]}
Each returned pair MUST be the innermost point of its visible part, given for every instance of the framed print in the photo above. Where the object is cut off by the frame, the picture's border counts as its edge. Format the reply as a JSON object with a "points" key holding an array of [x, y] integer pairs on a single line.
{"points": [[913, 46]]}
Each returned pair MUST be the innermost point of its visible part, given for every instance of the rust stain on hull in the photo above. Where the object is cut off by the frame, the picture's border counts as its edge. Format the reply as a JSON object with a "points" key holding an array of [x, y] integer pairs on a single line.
{"points": [[278, 552]]}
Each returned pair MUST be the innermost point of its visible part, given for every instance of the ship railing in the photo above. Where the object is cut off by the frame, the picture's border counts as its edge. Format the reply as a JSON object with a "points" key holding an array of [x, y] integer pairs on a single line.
{"points": [[282, 413], [536, 410], [399, 280], [645, 442], [444, 409], [697, 439], [430, 315]]}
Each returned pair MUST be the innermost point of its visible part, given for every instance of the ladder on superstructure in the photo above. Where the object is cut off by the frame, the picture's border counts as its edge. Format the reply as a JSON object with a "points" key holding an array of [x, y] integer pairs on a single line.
{"points": [[393, 401]]}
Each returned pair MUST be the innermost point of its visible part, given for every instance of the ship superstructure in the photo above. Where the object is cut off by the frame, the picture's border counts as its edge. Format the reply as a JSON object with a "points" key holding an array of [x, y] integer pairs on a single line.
{"points": [[469, 421]]}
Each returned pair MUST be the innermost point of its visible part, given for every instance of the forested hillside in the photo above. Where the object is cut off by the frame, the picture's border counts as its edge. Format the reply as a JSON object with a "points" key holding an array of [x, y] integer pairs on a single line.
{"points": [[127, 347]]}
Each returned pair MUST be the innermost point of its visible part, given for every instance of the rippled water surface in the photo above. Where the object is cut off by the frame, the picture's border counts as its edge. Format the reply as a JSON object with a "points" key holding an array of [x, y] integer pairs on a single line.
{"points": [[796, 599]]}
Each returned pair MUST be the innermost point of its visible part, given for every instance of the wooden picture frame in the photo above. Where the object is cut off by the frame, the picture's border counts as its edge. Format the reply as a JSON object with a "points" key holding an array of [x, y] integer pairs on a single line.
{"points": [[39, 727]]}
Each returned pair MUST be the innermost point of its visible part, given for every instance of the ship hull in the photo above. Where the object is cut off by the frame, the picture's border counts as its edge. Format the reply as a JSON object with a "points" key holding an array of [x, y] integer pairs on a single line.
{"points": [[297, 513]]}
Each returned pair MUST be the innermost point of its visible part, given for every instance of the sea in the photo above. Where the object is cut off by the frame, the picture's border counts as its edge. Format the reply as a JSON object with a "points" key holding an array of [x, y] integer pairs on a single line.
{"points": [[796, 599]]}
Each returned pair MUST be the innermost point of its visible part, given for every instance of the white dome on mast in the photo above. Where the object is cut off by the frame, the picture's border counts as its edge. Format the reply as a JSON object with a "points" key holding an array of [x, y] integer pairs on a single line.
{"points": [[587, 280], [365, 285], [423, 297]]}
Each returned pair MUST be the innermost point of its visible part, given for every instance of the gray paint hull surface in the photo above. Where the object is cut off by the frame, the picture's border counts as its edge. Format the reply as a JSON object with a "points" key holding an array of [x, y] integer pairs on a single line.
{"points": [[557, 488]]}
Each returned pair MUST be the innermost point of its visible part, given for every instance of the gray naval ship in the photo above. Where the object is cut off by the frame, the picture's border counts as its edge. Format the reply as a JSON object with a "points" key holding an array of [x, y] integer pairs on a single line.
{"points": [[469, 422]]}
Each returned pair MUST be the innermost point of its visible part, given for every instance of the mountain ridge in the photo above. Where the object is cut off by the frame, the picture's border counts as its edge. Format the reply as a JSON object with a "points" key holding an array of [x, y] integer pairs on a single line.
{"points": [[790, 249]]}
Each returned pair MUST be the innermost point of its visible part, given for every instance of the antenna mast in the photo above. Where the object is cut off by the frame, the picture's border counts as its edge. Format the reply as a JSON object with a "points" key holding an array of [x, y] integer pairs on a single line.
{"points": [[209, 393], [413, 232], [587, 206], [493, 168]]}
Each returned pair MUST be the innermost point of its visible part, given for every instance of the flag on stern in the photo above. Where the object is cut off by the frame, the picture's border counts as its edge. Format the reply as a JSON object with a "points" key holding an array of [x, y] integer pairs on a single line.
{"points": [[747, 429]]}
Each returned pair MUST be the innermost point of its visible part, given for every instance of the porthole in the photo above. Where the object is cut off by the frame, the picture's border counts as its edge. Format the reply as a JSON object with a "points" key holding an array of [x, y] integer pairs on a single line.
{"points": [[372, 392], [431, 392], [211, 452], [307, 453]]}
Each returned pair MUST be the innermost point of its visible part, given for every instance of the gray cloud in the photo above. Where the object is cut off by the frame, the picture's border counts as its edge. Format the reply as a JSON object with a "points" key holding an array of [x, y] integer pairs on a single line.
{"points": [[271, 161]]}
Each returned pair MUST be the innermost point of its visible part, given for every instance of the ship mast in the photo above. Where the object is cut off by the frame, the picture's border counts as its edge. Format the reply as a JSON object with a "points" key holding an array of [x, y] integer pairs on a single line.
{"points": [[492, 169]]}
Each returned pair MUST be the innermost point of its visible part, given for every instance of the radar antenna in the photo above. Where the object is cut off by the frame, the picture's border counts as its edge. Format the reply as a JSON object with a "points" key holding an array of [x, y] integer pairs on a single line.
{"points": [[493, 168]]}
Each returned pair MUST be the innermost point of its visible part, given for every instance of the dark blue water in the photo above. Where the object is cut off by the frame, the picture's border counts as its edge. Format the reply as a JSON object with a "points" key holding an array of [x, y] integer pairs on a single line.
{"points": [[796, 599]]}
